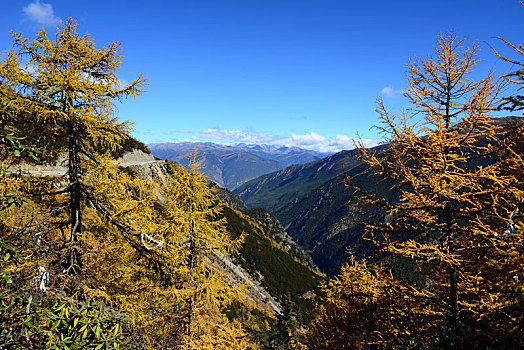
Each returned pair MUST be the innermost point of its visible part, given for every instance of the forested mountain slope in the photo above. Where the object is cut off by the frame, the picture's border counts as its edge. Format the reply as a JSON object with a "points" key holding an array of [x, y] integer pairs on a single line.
{"points": [[277, 190]]}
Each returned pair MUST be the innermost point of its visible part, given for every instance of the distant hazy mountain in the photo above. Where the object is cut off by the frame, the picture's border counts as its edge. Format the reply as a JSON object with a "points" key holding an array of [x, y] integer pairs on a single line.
{"points": [[232, 165]]}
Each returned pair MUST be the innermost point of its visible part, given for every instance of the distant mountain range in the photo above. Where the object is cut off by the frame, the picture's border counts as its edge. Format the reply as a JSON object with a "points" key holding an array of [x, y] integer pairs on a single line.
{"points": [[232, 165]]}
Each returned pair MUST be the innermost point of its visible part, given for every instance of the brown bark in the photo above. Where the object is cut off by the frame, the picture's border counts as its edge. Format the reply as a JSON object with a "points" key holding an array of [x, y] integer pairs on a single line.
{"points": [[75, 193]]}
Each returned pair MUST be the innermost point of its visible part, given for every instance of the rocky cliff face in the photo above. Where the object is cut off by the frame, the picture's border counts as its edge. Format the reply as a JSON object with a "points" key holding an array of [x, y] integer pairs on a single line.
{"points": [[131, 158]]}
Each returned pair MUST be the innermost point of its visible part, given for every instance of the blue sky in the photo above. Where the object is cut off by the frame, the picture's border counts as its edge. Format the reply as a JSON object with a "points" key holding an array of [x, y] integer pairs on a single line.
{"points": [[303, 73]]}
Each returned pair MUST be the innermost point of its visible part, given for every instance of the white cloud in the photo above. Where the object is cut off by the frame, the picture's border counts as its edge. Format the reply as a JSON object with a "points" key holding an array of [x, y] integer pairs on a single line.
{"points": [[40, 13], [321, 143], [311, 141], [388, 91], [308, 139], [246, 136]]}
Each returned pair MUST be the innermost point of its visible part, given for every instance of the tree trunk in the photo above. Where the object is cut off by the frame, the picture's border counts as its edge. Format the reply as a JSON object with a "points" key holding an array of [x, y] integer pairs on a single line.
{"points": [[75, 193], [192, 253], [452, 271]]}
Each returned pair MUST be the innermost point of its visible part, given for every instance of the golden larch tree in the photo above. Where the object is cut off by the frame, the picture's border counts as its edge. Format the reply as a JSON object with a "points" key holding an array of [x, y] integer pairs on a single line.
{"points": [[198, 228], [64, 92], [367, 308], [451, 196]]}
